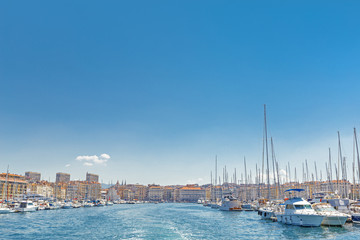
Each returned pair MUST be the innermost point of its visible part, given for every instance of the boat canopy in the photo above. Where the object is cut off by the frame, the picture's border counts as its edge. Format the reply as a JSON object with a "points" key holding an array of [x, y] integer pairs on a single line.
{"points": [[295, 190]]}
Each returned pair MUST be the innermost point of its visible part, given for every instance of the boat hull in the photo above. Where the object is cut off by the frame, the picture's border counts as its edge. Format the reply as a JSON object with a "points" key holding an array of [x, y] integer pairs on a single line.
{"points": [[304, 220], [230, 206], [334, 220], [5, 210], [266, 214], [355, 218], [32, 209]]}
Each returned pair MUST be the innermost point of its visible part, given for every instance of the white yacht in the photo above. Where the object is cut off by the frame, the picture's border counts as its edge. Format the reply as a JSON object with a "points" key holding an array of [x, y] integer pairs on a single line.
{"points": [[100, 203], [266, 212], [88, 204], [67, 205], [76, 205], [332, 216], [229, 203], [52, 206], [109, 203], [4, 209], [26, 206], [299, 212]]}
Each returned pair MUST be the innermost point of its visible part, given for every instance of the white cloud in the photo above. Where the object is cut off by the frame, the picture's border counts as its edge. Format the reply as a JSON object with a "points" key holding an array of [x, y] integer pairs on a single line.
{"points": [[94, 159], [67, 165], [105, 156], [87, 158], [282, 173]]}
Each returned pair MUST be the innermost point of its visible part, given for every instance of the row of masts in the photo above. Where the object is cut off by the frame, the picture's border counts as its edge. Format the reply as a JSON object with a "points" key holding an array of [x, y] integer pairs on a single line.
{"points": [[277, 181]]}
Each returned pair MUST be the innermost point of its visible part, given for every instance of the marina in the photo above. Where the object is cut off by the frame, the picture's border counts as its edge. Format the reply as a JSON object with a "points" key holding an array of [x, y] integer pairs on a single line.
{"points": [[179, 120], [158, 221]]}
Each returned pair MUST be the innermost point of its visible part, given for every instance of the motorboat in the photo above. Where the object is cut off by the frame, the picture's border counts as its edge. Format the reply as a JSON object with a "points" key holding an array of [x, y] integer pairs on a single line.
{"points": [[26, 206], [67, 205], [340, 204], [109, 203], [4, 209], [355, 212], [52, 206], [88, 204], [299, 212], [100, 203], [266, 212], [77, 205], [332, 216], [229, 203], [247, 207]]}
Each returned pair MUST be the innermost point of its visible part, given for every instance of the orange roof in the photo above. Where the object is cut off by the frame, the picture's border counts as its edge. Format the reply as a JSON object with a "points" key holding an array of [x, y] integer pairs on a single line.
{"points": [[191, 188]]}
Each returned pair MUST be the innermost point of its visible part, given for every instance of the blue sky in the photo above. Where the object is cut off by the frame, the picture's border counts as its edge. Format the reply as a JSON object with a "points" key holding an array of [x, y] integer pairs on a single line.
{"points": [[164, 86]]}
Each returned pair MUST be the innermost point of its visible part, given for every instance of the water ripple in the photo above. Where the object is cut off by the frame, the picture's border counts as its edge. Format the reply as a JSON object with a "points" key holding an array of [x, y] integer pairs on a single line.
{"points": [[157, 221]]}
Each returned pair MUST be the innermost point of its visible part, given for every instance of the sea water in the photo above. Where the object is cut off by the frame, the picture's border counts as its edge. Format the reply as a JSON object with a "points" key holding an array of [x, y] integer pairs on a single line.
{"points": [[157, 221]]}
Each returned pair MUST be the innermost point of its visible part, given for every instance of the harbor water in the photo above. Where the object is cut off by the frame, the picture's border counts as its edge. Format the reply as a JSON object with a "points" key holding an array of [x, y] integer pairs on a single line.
{"points": [[157, 221]]}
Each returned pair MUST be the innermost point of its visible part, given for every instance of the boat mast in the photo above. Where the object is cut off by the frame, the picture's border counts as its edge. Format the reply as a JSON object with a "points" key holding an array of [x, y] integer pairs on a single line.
{"points": [[337, 175], [278, 179], [215, 196], [273, 161], [257, 180], [267, 155], [330, 173], [353, 168], [327, 174], [345, 178], [316, 177], [357, 153], [307, 177], [245, 180], [211, 187], [340, 164]]}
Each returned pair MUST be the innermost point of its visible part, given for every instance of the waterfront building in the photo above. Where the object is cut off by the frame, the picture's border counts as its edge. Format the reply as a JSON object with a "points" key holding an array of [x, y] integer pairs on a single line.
{"points": [[43, 188], [72, 191], [83, 190], [131, 192], [33, 176], [156, 193], [169, 194], [92, 177], [141, 192], [59, 190], [191, 193], [62, 177], [12, 186]]}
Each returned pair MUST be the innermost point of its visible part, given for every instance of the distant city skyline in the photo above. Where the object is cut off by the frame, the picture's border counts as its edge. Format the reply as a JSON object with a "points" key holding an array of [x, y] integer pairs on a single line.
{"points": [[150, 92]]}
